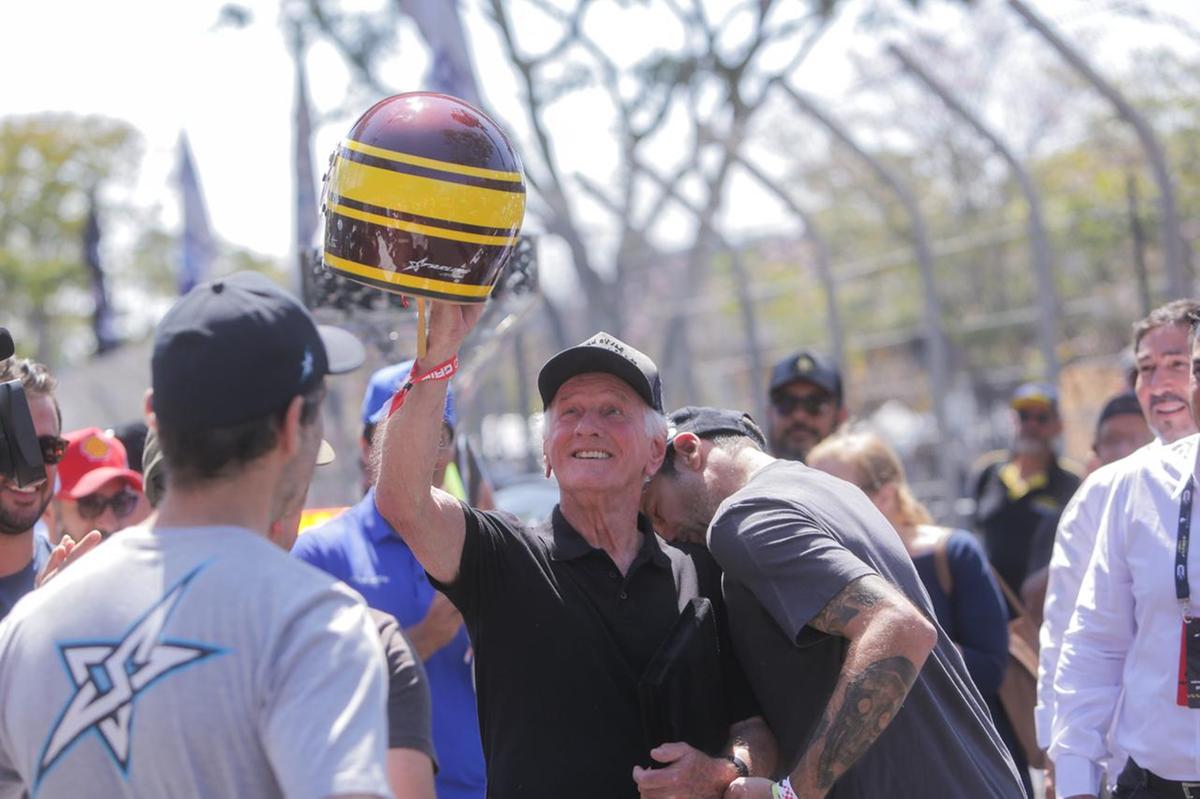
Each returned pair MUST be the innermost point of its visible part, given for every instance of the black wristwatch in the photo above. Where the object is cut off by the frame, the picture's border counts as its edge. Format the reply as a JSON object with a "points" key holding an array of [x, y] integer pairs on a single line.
{"points": [[742, 769]]}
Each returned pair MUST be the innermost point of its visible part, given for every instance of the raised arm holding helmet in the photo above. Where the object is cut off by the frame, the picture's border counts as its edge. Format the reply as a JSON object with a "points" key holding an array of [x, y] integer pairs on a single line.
{"points": [[566, 617], [429, 520]]}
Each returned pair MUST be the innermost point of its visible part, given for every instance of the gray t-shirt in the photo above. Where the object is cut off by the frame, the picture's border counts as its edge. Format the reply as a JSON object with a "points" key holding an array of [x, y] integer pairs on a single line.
{"points": [[409, 708], [789, 541], [193, 662]]}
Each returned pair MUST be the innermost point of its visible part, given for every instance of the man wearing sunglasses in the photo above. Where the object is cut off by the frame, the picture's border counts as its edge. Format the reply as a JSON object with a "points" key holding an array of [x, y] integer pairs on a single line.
{"points": [[806, 404], [22, 551], [97, 489], [1016, 489]]}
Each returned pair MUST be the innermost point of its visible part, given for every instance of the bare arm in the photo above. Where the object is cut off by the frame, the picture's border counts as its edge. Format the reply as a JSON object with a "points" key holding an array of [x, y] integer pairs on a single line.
{"points": [[889, 642], [410, 773], [429, 520]]}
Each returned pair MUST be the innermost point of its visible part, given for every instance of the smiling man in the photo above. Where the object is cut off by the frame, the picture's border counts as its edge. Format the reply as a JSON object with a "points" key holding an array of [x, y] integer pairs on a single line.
{"points": [[1128, 672], [1162, 357], [22, 551], [566, 617]]}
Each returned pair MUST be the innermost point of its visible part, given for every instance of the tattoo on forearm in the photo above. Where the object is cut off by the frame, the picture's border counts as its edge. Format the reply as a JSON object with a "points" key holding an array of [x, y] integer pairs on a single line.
{"points": [[871, 700], [858, 596]]}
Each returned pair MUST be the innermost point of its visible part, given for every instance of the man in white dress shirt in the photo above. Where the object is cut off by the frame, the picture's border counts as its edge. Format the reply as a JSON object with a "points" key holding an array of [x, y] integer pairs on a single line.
{"points": [[1162, 357], [1129, 635]]}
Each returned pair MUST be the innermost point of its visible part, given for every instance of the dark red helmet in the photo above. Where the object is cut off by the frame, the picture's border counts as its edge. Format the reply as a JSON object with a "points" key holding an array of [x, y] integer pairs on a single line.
{"points": [[424, 196]]}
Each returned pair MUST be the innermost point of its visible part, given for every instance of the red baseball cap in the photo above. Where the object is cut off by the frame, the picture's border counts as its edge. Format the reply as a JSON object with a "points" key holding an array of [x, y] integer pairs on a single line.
{"points": [[92, 459]]}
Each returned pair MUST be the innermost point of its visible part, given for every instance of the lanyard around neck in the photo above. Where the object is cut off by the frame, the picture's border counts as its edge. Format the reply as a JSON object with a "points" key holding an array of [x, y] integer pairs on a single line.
{"points": [[1182, 592]]}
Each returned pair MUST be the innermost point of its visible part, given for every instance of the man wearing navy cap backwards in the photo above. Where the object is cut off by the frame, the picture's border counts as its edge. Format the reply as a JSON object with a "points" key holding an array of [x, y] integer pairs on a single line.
{"points": [[866, 695], [192, 657], [360, 548], [566, 617]]}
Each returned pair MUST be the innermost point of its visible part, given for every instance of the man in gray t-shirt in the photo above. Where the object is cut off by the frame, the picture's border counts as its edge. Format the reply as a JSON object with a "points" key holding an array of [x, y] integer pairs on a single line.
{"points": [[864, 692], [194, 657]]}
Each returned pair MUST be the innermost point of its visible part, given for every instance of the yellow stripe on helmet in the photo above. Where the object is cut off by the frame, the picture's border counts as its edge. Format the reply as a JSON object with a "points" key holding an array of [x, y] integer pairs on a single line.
{"points": [[424, 230], [432, 163], [407, 281], [428, 197]]}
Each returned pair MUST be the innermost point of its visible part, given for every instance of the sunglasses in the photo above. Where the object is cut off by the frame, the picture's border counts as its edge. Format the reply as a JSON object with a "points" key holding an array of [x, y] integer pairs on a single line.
{"points": [[53, 449], [786, 404], [122, 503], [1041, 417]]}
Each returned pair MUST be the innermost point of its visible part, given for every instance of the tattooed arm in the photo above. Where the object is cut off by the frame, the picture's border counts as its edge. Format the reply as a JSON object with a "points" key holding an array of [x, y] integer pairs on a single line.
{"points": [[889, 641]]}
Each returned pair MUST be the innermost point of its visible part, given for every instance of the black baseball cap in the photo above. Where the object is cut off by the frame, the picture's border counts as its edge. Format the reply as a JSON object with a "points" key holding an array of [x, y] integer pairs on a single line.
{"points": [[603, 353], [1124, 404], [704, 422], [811, 367], [238, 348]]}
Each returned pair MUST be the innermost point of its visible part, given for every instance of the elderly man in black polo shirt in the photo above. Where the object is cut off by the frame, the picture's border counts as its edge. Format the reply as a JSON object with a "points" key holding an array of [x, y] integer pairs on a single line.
{"points": [[566, 617]]}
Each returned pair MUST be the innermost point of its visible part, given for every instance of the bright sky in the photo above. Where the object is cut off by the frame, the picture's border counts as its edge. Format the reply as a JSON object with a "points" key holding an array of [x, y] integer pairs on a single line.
{"points": [[165, 68]]}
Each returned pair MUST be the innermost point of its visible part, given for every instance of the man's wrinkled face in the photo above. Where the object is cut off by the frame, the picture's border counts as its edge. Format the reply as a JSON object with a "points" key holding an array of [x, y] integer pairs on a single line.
{"points": [[680, 506], [596, 435], [20, 508], [801, 416], [1163, 365], [112, 507]]}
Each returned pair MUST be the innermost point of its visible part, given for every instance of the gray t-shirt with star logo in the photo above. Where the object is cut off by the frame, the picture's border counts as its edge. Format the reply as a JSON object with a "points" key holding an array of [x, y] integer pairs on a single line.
{"points": [[192, 662]]}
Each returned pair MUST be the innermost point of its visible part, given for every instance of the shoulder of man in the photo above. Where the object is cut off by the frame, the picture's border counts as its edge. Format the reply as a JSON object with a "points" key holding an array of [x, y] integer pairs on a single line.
{"points": [[988, 462], [328, 540], [1072, 467]]}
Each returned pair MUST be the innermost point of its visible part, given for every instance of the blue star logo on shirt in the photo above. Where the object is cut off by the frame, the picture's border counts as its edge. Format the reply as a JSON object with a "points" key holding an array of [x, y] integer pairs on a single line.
{"points": [[109, 676]]}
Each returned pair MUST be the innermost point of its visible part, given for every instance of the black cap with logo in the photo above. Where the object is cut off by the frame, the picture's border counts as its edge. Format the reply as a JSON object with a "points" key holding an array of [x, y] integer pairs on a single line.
{"points": [[603, 353], [238, 348], [811, 367], [704, 422]]}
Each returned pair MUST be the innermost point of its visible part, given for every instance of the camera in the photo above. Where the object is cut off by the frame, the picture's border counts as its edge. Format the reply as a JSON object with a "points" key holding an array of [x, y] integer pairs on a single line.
{"points": [[20, 453]]}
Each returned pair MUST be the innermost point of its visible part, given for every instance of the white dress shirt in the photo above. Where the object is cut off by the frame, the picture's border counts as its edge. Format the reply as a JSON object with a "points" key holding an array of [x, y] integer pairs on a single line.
{"points": [[1125, 633], [1073, 544]]}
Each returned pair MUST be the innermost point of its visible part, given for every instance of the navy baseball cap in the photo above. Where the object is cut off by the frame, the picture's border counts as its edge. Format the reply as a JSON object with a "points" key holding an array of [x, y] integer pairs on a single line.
{"points": [[385, 383], [704, 422], [811, 367], [238, 348], [603, 353], [1124, 404]]}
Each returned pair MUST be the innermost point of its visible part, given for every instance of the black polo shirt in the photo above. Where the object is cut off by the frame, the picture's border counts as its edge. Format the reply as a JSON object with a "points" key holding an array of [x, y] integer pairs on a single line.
{"points": [[1008, 524], [561, 639]]}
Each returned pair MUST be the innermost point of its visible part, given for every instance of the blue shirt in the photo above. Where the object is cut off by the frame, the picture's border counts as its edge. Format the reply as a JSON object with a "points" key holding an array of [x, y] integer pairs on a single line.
{"points": [[17, 585], [361, 549]]}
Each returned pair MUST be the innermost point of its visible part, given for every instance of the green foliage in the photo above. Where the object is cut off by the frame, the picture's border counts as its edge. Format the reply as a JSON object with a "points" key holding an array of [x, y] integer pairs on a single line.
{"points": [[48, 165]]}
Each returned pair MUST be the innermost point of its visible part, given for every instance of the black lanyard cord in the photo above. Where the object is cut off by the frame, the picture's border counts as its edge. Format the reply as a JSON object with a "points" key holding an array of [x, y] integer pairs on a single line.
{"points": [[1182, 593]]}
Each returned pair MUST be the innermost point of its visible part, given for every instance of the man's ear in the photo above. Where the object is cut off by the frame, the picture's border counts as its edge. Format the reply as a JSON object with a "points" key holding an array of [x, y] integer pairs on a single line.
{"points": [[690, 452], [842, 415], [658, 451], [290, 430]]}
